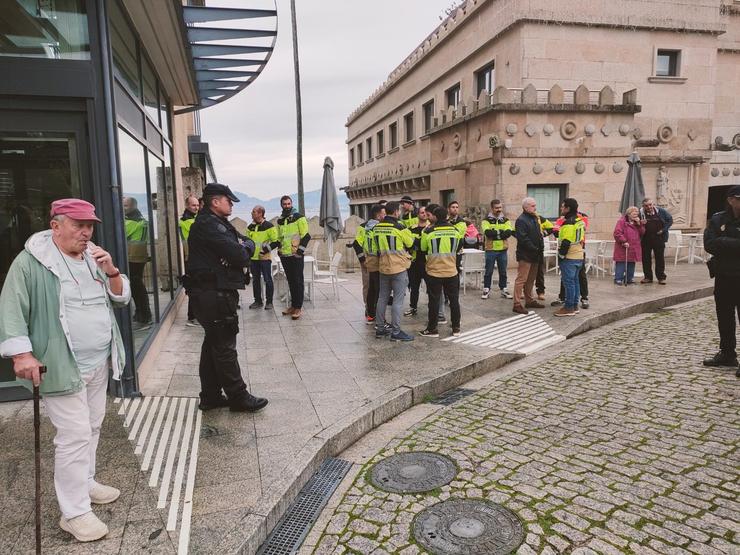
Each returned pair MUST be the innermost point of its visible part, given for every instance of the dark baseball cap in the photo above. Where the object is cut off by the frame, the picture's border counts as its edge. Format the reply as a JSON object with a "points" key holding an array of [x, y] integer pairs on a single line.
{"points": [[217, 189], [406, 198], [734, 191]]}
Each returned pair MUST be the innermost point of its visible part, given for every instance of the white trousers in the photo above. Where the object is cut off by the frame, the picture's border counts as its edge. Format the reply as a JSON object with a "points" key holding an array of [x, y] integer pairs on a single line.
{"points": [[77, 418]]}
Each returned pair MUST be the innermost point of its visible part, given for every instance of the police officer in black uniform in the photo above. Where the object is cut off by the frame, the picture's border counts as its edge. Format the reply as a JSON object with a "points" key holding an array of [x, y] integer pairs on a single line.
{"points": [[214, 274], [722, 241]]}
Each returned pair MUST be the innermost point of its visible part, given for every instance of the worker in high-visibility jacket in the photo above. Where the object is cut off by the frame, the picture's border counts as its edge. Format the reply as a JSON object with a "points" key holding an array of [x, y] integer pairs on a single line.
{"points": [[409, 214], [367, 253], [441, 243], [496, 229], [417, 270], [582, 275], [294, 237], [571, 240], [265, 237], [192, 206], [394, 243], [137, 242]]}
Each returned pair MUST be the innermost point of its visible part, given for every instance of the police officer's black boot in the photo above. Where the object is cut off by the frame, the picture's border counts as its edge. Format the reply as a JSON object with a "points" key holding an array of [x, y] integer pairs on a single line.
{"points": [[210, 404], [249, 403], [721, 359]]}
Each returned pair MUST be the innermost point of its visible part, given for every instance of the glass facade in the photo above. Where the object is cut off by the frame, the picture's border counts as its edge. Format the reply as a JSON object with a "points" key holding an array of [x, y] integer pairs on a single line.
{"points": [[147, 187], [55, 29]]}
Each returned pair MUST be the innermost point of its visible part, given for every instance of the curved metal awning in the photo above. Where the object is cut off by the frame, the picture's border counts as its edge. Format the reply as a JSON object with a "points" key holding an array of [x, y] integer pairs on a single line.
{"points": [[226, 60]]}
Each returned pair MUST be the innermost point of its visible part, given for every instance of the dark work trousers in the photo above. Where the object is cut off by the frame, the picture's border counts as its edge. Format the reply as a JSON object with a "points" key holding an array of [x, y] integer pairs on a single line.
{"points": [[373, 288], [262, 269], [293, 266], [727, 304], [219, 365], [451, 288], [654, 246], [143, 313], [191, 312], [417, 273], [582, 283], [539, 281]]}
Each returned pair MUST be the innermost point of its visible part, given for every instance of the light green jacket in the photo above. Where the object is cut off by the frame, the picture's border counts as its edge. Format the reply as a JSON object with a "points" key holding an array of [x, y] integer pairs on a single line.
{"points": [[33, 316]]}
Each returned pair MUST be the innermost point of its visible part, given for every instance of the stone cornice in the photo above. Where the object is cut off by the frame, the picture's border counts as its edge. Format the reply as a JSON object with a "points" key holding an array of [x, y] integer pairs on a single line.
{"points": [[626, 14]]}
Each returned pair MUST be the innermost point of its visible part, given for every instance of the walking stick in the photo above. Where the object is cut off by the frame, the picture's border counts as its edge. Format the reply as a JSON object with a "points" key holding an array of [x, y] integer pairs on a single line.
{"points": [[37, 457], [626, 261]]}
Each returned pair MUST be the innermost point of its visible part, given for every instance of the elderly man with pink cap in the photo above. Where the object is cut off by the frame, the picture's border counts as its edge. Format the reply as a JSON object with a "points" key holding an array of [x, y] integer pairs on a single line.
{"points": [[57, 311]]}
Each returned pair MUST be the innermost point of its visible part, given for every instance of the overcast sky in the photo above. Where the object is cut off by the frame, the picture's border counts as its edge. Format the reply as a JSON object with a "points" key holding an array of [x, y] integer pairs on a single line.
{"points": [[347, 48]]}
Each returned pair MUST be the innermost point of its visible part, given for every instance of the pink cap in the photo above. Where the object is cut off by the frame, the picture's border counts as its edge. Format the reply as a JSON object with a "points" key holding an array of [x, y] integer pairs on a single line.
{"points": [[74, 208]]}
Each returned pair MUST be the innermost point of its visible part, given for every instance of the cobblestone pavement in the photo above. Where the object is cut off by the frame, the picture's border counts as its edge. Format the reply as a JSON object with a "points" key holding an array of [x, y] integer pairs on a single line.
{"points": [[628, 445]]}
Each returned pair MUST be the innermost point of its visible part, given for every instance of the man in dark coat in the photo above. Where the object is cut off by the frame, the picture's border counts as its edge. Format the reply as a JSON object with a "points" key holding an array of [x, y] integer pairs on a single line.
{"points": [[722, 241], [215, 273], [657, 222], [529, 248]]}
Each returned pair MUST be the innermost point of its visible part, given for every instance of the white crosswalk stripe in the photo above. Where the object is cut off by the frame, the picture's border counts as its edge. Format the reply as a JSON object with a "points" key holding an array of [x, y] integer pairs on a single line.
{"points": [[523, 333], [165, 434]]}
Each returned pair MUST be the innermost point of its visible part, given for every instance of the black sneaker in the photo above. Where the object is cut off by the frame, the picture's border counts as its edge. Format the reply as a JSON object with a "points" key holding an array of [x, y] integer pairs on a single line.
{"points": [[250, 403], [268, 306], [256, 304], [213, 404], [721, 359], [410, 312], [557, 302], [442, 320], [429, 333], [380, 333], [584, 302]]}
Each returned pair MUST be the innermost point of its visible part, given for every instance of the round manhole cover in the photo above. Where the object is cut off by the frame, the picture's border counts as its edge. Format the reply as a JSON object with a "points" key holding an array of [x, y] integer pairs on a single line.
{"points": [[469, 527], [413, 472]]}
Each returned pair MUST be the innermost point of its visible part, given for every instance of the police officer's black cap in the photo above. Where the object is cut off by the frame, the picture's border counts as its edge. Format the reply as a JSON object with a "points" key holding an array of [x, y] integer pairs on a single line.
{"points": [[217, 189], [406, 198], [734, 191]]}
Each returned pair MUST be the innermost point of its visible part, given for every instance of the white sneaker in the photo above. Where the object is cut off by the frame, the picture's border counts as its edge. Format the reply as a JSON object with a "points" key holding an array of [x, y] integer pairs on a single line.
{"points": [[101, 494], [86, 528], [505, 294], [486, 293]]}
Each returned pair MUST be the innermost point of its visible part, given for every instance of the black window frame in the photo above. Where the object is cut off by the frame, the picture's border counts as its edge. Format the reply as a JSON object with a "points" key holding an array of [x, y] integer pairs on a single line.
{"points": [[408, 127], [674, 62], [456, 92], [481, 77], [393, 135]]}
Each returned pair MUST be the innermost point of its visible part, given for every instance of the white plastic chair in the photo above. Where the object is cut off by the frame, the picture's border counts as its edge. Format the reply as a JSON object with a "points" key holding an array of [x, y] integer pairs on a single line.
{"points": [[592, 256], [605, 258], [309, 277], [676, 241], [551, 251], [331, 276], [473, 262]]}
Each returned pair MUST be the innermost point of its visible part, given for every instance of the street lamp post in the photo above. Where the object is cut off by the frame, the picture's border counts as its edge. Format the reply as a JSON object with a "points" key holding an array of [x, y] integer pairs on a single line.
{"points": [[298, 112]]}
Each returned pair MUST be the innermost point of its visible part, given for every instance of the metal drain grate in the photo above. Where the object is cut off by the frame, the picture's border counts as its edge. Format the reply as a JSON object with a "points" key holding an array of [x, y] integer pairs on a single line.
{"points": [[288, 535], [452, 396]]}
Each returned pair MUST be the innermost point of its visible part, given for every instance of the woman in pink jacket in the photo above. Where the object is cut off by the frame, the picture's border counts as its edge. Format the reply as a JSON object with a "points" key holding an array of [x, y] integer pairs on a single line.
{"points": [[627, 249]]}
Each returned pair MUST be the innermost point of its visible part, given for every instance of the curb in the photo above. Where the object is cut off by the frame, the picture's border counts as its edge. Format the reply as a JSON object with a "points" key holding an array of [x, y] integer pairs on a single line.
{"points": [[640, 308], [248, 536]]}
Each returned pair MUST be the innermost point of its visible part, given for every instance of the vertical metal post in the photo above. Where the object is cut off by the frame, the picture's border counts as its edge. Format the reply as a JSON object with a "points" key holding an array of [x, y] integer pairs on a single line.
{"points": [[298, 112]]}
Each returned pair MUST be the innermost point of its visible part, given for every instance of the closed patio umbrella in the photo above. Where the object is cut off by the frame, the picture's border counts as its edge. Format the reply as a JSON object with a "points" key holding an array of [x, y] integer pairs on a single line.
{"points": [[634, 191], [329, 216]]}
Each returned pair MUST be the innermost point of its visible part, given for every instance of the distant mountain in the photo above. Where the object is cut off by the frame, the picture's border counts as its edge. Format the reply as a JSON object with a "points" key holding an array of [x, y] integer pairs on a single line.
{"points": [[272, 206]]}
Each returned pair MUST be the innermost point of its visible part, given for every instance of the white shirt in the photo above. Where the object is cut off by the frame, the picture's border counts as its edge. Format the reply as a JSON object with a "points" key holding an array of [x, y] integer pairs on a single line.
{"points": [[86, 310]]}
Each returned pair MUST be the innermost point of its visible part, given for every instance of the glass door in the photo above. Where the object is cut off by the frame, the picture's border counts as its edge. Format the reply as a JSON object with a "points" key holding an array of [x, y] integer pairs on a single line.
{"points": [[42, 158]]}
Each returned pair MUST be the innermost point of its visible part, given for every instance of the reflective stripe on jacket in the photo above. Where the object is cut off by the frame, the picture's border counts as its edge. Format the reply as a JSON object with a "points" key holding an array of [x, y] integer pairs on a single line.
{"points": [[441, 243], [265, 237], [571, 237], [293, 233], [496, 232], [392, 241]]}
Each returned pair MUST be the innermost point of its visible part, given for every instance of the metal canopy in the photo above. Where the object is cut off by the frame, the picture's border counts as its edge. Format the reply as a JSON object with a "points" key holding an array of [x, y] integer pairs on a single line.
{"points": [[225, 61]]}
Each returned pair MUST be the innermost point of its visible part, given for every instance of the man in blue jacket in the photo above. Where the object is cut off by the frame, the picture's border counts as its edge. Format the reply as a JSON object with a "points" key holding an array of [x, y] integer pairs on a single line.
{"points": [[657, 222]]}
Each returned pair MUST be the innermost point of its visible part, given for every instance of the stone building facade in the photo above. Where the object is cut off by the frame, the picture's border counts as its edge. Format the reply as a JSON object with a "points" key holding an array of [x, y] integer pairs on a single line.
{"points": [[514, 98]]}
